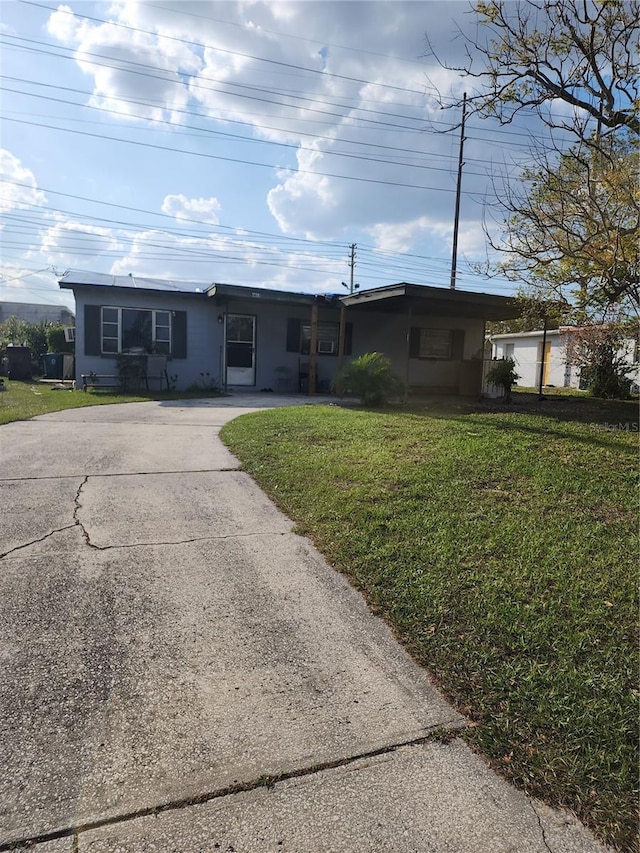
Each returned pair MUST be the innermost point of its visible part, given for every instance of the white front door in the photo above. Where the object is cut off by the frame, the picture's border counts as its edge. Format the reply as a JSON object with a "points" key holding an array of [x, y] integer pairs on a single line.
{"points": [[241, 349]]}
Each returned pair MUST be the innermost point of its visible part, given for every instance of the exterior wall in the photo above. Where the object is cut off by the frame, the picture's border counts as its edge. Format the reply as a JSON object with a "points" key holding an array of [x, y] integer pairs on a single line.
{"points": [[387, 333], [526, 354], [276, 368], [204, 334], [632, 356]]}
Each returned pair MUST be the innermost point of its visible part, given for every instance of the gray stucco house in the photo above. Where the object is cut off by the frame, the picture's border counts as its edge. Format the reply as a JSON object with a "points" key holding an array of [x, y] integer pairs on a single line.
{"points": [[258, 338]]}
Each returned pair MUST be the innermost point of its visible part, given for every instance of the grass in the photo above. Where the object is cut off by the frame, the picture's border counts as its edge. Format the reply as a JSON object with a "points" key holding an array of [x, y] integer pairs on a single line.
{"points": [[501, 544], [23, 400]]}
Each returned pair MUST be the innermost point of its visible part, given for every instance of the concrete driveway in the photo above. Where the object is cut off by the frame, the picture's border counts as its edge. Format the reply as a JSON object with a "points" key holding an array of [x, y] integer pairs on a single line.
{"points": [[182, 672]]}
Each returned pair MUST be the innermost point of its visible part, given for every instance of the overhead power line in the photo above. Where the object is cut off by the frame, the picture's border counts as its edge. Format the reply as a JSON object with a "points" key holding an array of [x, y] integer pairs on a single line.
{"points": [[205, 155]]}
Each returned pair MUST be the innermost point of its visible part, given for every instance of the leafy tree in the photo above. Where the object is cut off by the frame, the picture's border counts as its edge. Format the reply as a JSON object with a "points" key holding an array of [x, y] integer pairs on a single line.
{"points": [[36, 339], [599, 352], [36, 336], [572, 228], [56, 340], [571, 217], [535, 313], [13, 331], [528, 55]]}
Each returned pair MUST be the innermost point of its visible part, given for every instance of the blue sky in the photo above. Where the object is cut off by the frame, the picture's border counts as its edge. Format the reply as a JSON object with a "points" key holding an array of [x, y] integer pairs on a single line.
{"points": [[245, 143]]}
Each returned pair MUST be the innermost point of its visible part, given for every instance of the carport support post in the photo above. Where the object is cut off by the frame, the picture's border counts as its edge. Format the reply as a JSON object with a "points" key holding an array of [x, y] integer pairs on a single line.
{"points": [[313, 349], [343, 312], [408, 342], [544, 342]]}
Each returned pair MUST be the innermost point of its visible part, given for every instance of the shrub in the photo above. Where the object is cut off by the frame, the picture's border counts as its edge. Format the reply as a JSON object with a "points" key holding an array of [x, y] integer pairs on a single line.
{"points": [[56, 341], [370, 378], [598, 351], [205, 383], [503, 375]]}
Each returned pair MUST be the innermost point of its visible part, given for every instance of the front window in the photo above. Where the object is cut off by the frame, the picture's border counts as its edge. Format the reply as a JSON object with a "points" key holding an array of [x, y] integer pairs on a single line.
{"points": [[435, 343], [136, 330], [327, 338]]}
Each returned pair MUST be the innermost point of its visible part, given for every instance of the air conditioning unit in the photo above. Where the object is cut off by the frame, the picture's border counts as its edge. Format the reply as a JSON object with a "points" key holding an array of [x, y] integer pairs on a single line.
{"points": [[70, 334], [326, 347]]}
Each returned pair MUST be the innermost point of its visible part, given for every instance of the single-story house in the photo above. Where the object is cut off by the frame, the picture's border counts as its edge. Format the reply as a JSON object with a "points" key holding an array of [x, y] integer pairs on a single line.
{"points": [[526, 349], [259, 338]]}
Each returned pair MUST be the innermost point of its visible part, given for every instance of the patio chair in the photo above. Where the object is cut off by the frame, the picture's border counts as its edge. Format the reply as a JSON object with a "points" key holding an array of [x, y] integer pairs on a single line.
{"points": [[157, 370]]}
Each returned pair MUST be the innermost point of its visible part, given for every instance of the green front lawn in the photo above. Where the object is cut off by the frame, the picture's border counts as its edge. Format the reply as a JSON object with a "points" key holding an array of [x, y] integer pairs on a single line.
{"points": [[502, 545], [23, 400]]}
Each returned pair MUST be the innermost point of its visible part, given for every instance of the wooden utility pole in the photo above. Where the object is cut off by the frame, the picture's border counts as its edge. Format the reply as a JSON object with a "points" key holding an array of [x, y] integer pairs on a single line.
{"points": [[456, 220]]}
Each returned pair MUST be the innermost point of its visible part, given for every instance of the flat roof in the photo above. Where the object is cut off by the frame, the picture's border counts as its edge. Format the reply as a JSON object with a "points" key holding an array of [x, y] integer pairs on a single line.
{"points": [[264, 294], [535, 334], [419, 299], [423, 299], [132, 282]]}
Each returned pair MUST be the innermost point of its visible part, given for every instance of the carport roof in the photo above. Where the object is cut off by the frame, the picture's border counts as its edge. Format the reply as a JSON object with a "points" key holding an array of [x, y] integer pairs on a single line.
{"points": [[422, 299]]}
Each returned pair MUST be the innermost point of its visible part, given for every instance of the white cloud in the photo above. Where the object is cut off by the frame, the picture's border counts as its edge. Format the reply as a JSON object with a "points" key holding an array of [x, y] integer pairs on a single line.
{"points": [[12, 172], [344, 84], [400, 237], [71, 244], [64, 26], [224, 258], [183, 208], [127, 64]]}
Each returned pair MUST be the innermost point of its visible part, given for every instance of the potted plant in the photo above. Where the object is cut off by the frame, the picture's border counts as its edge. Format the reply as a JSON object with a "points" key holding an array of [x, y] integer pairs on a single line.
{"points": [[503, 375]]}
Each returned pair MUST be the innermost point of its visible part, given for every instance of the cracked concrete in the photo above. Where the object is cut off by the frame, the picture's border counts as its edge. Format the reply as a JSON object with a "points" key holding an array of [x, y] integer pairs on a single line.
{"points": [[169, 645]]}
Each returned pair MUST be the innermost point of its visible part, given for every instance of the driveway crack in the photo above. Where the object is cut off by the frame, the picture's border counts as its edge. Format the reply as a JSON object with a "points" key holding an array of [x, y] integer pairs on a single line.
{"points": [[542, 831], [35, 541], [76, 516], [157, 542], [438, 734]]}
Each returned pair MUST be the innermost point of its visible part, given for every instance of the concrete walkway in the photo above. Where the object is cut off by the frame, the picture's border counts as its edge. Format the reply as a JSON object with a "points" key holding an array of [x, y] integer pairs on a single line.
{"points": [[181, 673]]}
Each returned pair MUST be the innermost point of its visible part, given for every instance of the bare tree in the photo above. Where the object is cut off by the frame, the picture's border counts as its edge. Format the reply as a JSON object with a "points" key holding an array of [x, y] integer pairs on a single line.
{"points": [[527, 56], [570, 218]]}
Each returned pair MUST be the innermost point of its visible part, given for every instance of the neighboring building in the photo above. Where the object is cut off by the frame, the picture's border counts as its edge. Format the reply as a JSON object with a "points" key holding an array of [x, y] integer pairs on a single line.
{"points": [[252, 337], [526, 349], [32, 312]]}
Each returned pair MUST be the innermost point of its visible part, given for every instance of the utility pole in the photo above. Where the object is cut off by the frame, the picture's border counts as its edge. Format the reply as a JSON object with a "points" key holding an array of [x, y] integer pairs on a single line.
{"points": [[456, 221], [352, 265], [343, 310]]}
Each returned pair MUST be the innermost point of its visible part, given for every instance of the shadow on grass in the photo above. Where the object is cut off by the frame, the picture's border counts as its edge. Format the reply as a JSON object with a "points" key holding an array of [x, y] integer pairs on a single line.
{"points": [[603, 417]]}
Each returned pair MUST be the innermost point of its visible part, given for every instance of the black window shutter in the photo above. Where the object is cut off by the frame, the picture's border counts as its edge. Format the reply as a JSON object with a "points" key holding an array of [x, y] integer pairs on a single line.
{"points": [[92, 331], [457, 344], [348, 338], [179, 330], [414, 342], [293, 335]]}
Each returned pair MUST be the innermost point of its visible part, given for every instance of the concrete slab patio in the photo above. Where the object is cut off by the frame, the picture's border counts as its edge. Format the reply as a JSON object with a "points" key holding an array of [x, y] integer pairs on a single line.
{"points": [[182, 672]]}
